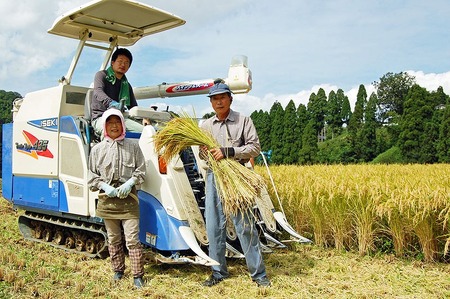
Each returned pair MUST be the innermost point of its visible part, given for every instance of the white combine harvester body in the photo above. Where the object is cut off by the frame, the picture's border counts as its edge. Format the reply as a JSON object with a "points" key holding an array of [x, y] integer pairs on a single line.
{"points": [[46, 150]]}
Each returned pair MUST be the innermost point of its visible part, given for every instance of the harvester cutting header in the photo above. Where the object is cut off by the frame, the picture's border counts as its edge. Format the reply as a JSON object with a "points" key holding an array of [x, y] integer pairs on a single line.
{"points": [[47, 146]]}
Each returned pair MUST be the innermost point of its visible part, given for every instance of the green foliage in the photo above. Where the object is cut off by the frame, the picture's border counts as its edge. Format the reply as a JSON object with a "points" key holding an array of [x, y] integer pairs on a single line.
{"points": [[346, 111], [290, 134], [308, 152], [302, 120], [367, 136], [356, 123], [417, 115], [391, 156], [333, 116], [391, 91], [443, 146], [261, 120], [317, 107], [384, 245], [335, 151], [208, 115], [6, 100], [374, 128], [276, 132]]}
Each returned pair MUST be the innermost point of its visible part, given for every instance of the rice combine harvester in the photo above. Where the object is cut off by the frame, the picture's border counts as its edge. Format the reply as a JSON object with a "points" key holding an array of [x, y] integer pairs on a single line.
{"points": [[46, 150]]}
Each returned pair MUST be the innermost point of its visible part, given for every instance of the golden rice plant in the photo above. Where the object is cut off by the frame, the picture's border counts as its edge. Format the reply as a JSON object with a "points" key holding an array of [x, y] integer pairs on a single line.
{"points": [[398, 225], [314, 204], [447, 246], [353, 205], [423, 213], [338, 214], [395, 183], [365, 221], [319, 223], [418, 196], [335, 205], [237, 185]]}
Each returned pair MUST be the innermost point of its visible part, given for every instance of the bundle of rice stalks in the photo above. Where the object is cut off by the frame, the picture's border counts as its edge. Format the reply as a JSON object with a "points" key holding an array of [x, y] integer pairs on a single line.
{"points": [[237, 185]]}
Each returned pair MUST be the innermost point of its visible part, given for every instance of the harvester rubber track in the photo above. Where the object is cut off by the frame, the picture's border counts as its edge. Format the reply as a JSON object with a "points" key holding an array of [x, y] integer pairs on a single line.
{"points": [[76, 236]]}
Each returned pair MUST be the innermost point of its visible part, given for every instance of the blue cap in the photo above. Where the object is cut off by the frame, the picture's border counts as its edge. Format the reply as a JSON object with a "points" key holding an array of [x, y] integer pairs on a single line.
{"points": [[219, 88]]}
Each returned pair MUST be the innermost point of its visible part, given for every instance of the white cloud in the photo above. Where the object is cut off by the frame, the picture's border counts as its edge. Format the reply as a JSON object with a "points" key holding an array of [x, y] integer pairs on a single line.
{"points": [[432, 81], [27, 48]]}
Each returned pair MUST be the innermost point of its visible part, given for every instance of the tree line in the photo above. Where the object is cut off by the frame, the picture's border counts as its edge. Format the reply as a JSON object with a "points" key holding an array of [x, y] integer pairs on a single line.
{"points": [[401, 122]]}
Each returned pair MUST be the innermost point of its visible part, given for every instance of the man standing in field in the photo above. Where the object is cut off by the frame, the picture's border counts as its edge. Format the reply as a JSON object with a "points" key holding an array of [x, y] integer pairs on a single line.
{"points": [[238, 139]]}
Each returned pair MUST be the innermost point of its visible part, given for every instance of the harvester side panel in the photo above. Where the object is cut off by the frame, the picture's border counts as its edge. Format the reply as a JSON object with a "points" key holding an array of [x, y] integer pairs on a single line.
{"points": [[35, 135], [73, 167], [156, 228], [38, 193], [7, 176]]}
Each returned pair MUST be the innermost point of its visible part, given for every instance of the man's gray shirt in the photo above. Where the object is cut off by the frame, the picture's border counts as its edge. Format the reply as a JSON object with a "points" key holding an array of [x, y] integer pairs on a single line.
{"points": [[237, 131]]}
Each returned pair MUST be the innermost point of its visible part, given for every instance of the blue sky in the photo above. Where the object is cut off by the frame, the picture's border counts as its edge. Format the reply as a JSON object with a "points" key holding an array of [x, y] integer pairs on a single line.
{"points": [[293, 47]]}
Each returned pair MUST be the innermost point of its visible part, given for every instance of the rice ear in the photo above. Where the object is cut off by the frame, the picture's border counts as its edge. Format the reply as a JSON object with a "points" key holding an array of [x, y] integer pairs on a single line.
{"points": [[237, 185]]}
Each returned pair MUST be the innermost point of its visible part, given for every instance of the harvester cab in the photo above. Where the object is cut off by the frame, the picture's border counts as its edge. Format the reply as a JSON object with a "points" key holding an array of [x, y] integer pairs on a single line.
{"points": [[46, 150]]}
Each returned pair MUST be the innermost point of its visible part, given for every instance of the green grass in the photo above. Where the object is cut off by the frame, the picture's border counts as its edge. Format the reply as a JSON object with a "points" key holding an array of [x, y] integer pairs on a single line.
{"points": [[32, 270]]}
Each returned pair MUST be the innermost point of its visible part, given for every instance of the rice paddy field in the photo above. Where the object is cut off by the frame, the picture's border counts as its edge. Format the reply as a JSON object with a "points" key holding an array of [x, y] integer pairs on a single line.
{"points": [[379, 232], [400, 209]]}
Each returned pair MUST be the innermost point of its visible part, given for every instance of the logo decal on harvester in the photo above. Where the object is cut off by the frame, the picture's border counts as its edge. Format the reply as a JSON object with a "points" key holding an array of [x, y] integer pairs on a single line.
{"points": [[50, 124], [188, 87], [34, 147]]}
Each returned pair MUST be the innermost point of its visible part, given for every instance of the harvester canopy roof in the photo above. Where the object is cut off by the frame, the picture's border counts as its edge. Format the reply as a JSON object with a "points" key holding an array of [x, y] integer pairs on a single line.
{"points": [[105, 20]]}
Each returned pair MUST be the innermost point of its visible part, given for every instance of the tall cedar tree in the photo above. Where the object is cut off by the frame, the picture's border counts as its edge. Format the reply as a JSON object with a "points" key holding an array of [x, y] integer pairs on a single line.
{"points": [[290, 151], [437, 100], [368, 137], [443, 147], [317, 107], [276, 133], [261, 120], [346, 111], [302, 119], [417, 115], [356, 122], [308, 153], [333, 116]]}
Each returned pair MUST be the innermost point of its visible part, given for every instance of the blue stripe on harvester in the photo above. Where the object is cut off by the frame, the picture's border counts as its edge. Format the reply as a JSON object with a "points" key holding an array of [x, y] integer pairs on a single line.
{"points": [[7, 150], [157, 229]]}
